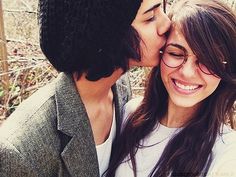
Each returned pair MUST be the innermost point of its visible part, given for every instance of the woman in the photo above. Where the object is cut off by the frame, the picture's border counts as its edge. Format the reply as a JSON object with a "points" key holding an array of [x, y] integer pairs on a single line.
{"points": [[67, 128], [179, 127]]}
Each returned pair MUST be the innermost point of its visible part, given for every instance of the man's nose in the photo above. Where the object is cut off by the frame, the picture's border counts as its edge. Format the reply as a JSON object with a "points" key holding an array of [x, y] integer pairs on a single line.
{"points": [[163, 24]]}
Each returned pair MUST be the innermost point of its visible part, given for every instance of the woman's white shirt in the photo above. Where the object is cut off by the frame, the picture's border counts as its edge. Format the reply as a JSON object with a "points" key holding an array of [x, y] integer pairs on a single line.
{"points": [[224, 151], [224, 155]]}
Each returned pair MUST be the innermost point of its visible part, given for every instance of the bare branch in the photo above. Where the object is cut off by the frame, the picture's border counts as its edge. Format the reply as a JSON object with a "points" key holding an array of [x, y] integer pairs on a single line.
{"points": [[20, 11]]}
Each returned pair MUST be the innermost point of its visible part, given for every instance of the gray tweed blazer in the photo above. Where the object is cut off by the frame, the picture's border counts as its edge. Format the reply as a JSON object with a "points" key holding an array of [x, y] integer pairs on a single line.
{"points": [[50, 135]]}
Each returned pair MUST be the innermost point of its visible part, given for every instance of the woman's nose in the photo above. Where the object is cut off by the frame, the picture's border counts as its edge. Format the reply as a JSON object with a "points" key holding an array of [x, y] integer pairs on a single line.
{"points": [[189, 68]]}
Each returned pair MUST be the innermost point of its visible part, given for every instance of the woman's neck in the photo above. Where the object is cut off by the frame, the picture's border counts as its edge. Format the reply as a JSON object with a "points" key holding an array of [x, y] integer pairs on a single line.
{"points": [[176, 116]]}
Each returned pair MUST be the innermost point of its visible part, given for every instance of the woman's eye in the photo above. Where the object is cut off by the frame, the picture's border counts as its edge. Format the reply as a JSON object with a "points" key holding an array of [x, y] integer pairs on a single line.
{"points": [[175, 54]]}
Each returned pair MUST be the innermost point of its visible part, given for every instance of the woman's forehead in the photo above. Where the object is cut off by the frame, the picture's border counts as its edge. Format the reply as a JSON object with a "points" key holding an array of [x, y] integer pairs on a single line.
{"points": [[176, 37], [175, 34]]}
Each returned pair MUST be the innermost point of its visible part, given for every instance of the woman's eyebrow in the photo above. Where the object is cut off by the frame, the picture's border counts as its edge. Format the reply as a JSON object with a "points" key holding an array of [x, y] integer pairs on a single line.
{"points": [[152, 8], [178, 46]]}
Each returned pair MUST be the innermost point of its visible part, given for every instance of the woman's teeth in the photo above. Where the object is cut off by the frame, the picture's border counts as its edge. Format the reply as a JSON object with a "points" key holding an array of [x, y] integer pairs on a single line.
{"points": [[186, 87]]}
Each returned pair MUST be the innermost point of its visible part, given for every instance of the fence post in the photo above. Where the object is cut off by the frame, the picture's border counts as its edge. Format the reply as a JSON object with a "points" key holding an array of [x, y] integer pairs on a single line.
{"points": [[3, 57]]}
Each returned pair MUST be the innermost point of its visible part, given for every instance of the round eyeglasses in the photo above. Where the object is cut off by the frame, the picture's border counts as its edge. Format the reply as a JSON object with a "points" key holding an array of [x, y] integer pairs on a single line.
{"points": [[175, 56]]}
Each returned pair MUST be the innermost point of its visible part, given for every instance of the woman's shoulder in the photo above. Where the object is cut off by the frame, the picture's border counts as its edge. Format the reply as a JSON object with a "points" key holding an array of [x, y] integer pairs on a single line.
{"points": [[132, 105], [227, 136], [225, 143], [224, 154], [226, 140]]}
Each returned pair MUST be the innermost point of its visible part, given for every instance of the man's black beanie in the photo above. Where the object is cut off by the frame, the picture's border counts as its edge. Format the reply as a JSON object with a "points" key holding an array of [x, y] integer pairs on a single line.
{"points": [[72, 29]]}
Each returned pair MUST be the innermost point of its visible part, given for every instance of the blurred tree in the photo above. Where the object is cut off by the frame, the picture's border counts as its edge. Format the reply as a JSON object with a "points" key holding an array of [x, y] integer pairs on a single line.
{"points": [[3, 57]]}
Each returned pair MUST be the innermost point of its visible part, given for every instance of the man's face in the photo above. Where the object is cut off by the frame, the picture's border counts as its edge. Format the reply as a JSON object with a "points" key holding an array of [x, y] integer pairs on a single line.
{"points": [[151, 23]]}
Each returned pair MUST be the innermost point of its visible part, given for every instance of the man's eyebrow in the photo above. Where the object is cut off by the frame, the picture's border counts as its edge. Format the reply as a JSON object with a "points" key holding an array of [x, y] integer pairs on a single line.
{"points": [[152, 8]]}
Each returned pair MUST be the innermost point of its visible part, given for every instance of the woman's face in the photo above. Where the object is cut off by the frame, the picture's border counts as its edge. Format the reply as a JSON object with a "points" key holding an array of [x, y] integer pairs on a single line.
{"points": [[151, 23], [186, 85]]}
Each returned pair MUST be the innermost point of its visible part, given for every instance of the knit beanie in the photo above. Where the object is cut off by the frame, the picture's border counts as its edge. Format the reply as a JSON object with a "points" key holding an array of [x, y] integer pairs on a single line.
{"points": [[72, 30]]}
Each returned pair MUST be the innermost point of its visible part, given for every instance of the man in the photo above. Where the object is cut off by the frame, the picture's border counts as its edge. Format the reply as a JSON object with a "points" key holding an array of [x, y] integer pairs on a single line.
{"points": [[67, 127]]}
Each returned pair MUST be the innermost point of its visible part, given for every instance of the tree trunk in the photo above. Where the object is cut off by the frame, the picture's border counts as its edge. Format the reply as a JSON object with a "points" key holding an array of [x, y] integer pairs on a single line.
{"points": [[3, 57]]}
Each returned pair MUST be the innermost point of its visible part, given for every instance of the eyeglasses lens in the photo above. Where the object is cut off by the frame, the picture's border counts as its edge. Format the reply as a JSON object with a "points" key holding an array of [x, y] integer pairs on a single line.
{"points": [[174, 57]]}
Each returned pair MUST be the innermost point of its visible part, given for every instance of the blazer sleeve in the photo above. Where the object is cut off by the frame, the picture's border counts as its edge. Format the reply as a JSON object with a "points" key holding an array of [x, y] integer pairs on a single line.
{"points": [[12, 163]]}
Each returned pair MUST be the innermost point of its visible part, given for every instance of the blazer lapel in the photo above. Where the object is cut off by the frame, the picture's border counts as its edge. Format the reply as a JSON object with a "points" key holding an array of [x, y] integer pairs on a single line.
{"points": [[79, 154]]}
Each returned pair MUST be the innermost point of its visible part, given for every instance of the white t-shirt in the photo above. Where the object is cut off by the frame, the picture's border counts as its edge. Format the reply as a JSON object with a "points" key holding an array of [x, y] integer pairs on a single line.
{"points": [[104, 149], [224, 150]]}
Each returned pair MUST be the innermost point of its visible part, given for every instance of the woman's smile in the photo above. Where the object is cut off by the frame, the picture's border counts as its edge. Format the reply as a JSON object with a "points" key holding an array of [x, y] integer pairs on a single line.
{"points": [[184, 87]]}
